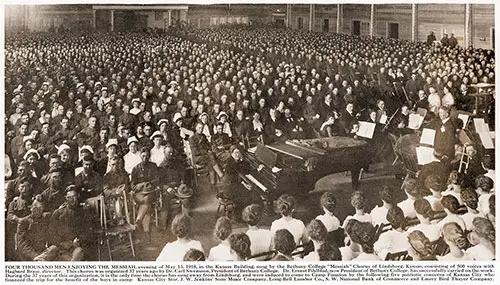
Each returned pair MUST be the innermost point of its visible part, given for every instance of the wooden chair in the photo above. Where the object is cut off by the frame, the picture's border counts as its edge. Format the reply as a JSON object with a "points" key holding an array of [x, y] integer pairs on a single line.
{"points": [[115, 226], [226, 205], [192, 166], [96, 204]]}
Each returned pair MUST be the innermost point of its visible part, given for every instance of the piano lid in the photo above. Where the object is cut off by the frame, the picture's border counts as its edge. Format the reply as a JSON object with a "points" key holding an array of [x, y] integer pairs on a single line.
{"points": [[305, 149]]}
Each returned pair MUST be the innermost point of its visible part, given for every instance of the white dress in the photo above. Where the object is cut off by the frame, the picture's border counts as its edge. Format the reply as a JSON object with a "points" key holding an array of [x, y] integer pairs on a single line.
{"points": [[435, 203], [450, 219], [391, 242], [260, 240], [484, 204], [379, 215], [221, 252], [408, 208], [175, 251], [480, 252], [431, 231], [331, 222], [365, 218], [469, 217], [294, 226]]}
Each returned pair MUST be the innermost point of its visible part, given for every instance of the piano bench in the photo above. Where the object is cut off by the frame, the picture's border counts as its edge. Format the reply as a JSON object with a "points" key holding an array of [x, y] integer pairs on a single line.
{"points": [[227, 206]]}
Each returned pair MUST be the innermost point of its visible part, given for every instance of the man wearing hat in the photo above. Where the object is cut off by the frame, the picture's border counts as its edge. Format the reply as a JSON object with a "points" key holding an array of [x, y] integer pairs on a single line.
{"points": [[72, 228], [144, 181]]}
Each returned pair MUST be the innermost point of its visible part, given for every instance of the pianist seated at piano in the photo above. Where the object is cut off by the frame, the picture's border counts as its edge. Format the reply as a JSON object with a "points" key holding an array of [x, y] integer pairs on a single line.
{"points": [[231, 186]]}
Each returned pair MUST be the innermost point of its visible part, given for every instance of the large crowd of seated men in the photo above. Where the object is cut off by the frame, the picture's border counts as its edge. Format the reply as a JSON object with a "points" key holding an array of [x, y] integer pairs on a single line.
{"points": [[99, 115]]}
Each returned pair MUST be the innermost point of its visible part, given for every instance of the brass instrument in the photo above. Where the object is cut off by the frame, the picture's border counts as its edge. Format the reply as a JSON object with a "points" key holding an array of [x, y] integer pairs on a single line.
{"points": [[465, 159]]}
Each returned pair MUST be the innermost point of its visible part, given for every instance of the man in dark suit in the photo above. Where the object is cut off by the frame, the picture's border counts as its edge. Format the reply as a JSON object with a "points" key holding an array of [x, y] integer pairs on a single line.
{"points": [[446, 130]]}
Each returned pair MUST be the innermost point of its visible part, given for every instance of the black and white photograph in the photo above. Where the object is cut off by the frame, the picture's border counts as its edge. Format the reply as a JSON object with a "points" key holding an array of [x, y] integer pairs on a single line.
{"points": [[247, 132]]}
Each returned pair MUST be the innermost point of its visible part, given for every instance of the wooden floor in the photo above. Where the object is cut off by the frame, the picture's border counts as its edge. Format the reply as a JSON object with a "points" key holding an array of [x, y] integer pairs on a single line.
{"points": [[204, 212]]}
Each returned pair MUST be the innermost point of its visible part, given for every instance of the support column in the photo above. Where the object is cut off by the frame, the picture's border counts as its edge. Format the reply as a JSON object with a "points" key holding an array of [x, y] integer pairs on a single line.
{"points": [[311, 17], [112, 20], [414, 22], [339, 18], [169, 18], [469, 40], [372, 20], [94, 12], [288, 15]]}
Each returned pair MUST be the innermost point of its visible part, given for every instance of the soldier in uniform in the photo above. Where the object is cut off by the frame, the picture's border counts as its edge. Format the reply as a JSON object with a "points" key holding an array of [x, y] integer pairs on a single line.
{"points": [[88, 182], [32, 234], [72, 228], [144, 182], [53, 196]]}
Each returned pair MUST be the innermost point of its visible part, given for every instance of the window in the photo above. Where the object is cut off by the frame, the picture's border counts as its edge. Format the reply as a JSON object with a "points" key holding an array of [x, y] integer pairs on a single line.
{"points": [[300, 23], [158, 15], [214, 21], [365, 28]]}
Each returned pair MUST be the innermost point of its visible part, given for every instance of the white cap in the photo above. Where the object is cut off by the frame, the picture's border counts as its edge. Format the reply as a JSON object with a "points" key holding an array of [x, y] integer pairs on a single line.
{"points": [[177, 116], [112, 142], [62, 148], [29, 152], [156, 134], [131, 140]]}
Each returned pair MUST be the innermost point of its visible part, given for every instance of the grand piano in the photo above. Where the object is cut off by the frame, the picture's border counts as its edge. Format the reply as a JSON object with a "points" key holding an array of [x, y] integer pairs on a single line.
{"points": [[295, 166]]}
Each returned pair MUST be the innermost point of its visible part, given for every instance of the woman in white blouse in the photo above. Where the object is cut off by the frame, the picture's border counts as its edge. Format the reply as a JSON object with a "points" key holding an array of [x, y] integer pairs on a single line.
{"points": [[240, 246], [260, 239], [176, 250], [396, 239], [329, 203], [317, 233], [454, 237], [483, 237], [424, 215], [470, 198], [358, 201], [222, 251], [363, 234], [286, 206]]}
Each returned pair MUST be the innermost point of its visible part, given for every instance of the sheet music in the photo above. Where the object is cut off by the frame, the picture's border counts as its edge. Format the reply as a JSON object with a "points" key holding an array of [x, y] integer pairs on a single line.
{"points": [[366, 129], [481, 126], [464, 118], [415, 121], [425, 155], [256, 182], [486, 140], [464, 138], [428, 136]]}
